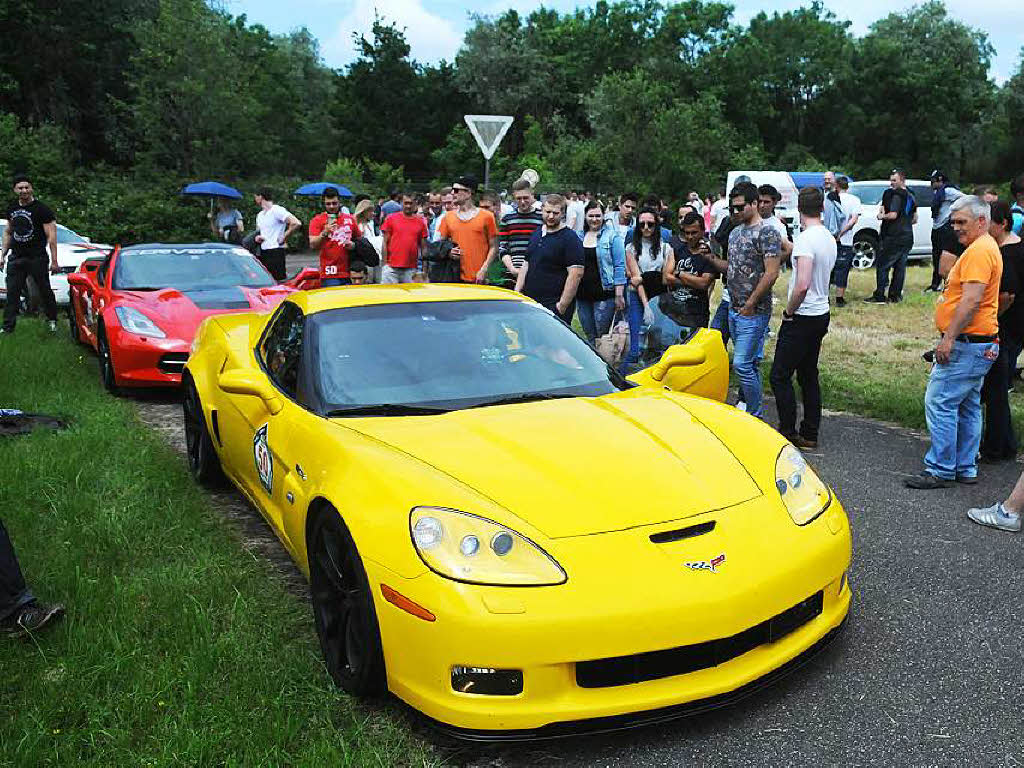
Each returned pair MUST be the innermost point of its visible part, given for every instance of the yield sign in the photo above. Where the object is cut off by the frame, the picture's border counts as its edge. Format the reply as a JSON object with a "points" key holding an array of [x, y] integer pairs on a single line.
{"points": [[488, 130]]}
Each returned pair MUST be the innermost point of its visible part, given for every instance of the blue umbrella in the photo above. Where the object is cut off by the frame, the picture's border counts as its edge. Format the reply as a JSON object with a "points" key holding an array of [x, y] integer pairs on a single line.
{"points": [[318, 187], [211, 189]]}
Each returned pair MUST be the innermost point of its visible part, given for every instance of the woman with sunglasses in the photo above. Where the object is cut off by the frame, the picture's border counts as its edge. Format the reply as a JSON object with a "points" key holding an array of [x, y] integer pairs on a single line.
{"points": [[644, 265], [601, 292]]}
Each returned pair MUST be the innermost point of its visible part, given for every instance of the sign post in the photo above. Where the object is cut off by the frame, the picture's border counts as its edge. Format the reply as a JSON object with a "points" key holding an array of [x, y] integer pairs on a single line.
{"points": [[488, 130]]}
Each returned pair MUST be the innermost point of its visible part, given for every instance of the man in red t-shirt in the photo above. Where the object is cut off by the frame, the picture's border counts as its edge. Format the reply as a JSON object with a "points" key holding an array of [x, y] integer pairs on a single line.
{"points": [[405, 233], [334, 233]]}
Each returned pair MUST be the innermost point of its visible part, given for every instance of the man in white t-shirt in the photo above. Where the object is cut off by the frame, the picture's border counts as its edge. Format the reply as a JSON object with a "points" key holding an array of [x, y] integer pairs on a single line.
{"points": [[804, 323], [850, 206], [574, 212], [719, 210], [275, 225], [767, 198]]}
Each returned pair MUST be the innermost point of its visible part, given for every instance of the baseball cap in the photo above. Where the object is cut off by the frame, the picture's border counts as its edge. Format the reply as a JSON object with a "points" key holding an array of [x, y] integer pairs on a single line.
{"points": [[468, 181]]}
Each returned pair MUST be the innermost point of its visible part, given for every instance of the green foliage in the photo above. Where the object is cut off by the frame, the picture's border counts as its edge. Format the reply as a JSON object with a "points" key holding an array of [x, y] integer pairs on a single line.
{"points": [[366, 176], [43, 152]]}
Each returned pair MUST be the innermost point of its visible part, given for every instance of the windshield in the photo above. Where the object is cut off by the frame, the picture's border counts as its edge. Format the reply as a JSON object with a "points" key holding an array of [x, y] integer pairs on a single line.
{"points": [[868, 193], [65, 235], [188, 269], [450, 355]]}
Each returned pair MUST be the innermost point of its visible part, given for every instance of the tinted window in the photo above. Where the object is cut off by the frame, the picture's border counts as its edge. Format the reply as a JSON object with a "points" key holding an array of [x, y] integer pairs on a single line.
{"points": [[189, 269], [65, 235], [869, 193], [281, 349], [451, 354], [923, 194]]}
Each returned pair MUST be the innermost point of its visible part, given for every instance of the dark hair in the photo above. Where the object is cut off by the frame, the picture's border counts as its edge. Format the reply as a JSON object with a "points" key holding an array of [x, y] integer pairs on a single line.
{"points": [[594, 203], [746, 190], [494, 197], [768, 189], [331, 192], [843, 182], [1001, 214], [395, 192], [20, 177], [1017, 186], [520, 184], [266, 193], [410, 194], [652, 201], [655, 238], [628, 196], [693, 218], [359, 198], [357, 266], [810, 201]]}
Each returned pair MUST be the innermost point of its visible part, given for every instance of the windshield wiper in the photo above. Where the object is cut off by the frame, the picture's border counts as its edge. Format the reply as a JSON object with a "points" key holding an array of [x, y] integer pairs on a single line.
{"points": [[524, 397], [385, 409]]}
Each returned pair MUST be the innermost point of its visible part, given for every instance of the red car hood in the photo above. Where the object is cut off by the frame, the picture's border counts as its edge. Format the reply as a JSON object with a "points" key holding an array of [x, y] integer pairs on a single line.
{"points": [[179, 313]]}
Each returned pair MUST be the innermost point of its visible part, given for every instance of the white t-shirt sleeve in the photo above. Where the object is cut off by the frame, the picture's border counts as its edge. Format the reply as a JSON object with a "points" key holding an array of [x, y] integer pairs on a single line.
{"points": [[803, 246], [281, 214]]}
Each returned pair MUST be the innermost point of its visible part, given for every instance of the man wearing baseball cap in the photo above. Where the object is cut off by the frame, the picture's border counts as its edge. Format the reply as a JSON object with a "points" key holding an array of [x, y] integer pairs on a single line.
{"points": [[474, 231], [944, 240]]}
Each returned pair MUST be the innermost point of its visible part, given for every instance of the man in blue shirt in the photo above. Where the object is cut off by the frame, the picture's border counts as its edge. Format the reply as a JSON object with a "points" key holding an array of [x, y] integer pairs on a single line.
{"points": [[554, 262]]}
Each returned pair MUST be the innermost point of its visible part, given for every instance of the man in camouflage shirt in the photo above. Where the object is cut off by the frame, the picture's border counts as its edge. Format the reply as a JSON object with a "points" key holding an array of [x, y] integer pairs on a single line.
{"points": [[754, 249]]}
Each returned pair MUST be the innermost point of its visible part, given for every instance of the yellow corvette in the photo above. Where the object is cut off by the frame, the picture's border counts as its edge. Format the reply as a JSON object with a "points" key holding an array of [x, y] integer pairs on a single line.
{"points": [[501, 530]]}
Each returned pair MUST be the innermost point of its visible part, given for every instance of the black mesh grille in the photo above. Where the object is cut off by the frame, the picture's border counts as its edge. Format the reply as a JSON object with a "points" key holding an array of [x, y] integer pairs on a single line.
{"points": [[173, 362], [653, 665]]}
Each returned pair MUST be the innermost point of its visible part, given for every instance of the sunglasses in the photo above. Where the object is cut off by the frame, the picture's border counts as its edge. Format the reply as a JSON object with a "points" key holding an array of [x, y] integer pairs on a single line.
{"points": [[646, 225], [737, 208]]}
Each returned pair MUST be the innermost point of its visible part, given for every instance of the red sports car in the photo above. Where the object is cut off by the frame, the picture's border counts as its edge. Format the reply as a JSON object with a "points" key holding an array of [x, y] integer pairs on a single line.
{"points": [[139, 306]]}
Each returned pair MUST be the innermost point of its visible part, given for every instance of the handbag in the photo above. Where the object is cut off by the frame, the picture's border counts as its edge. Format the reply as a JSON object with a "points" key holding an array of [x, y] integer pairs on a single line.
{"points": [[365, 252], [442, 267], [613, 345]]}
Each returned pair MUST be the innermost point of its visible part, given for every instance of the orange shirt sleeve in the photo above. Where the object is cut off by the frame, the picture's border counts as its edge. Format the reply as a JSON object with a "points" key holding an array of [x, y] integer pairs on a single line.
{"points": [[978, 268]]}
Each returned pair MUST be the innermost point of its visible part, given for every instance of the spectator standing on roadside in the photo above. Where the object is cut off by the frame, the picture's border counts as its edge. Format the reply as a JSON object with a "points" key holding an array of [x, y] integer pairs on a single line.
{"points": [[31, 227], [719, 212], [20, 612], [554, 262], [804, 323], [767, 198], [226, 223], [688, 275], [333, 233], [998, 441], [358, 272], [832, 214], [575, 212], [391, 205], [967, 319], [474, 231], [850, 204], [602, 289], [516, 229], [988, 194], [753, 268], [646, 254], [275, 225], [405, 234], [623, 217], [694, 199], [943, 239], [898, 216]]}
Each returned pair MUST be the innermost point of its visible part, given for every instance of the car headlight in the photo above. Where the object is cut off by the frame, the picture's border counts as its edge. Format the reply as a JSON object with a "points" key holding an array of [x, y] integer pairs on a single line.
{"points": [[802, 491], [134, 321], [475, 550]]}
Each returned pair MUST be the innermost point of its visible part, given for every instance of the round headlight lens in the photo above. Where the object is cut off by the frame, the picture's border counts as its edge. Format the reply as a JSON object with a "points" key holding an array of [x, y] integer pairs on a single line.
{"points": [[428, 532], [469, 546], [502, 543]]}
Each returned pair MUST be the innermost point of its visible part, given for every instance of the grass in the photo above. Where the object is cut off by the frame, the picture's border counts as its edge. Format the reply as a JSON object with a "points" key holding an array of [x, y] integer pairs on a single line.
{"points": [[179, 647]]}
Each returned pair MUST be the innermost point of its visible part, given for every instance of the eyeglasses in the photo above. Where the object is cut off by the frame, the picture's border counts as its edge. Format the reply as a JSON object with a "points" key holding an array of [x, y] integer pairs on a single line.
{"points": [[646, 225], [737, 208]]}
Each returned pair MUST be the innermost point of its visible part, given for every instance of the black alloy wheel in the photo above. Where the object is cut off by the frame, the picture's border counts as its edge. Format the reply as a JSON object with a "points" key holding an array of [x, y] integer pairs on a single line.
{"points": [[106, 362], [203, 462], [346, 621]]}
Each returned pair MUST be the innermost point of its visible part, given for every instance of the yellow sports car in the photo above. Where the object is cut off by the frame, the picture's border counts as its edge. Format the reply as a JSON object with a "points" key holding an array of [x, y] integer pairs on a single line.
{"points": [[500, 529]]}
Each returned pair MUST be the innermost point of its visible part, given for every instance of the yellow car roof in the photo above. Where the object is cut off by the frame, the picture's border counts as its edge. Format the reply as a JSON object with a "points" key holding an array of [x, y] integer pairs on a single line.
{"points": [[323, 299]]}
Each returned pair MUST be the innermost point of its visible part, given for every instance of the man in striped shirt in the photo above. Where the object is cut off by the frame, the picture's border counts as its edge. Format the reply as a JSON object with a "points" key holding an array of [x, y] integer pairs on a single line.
{"points": [[515, 231]]}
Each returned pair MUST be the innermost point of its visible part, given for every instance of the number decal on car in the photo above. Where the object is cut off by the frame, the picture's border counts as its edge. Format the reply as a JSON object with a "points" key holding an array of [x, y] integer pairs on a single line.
{"points": [[264, 461]]}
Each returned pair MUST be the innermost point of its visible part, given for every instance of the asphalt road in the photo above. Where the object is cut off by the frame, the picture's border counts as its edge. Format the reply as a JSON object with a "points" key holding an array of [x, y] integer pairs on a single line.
{"points": [[930, 668]]}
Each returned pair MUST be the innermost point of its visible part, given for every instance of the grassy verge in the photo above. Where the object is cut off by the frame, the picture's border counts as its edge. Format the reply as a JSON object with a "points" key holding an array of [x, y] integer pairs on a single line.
{"points": [[179, 648]]}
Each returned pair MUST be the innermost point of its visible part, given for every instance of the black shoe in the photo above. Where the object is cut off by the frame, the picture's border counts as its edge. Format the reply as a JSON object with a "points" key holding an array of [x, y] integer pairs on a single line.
{"points": [[31, 618], [840, 301], [873, 299], [926, 482], [803, 443], [931, 289], [967, 479], [894, 299]]}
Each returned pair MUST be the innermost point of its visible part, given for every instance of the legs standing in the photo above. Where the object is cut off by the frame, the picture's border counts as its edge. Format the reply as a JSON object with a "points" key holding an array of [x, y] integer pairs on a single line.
{"points": [[748, 348]]}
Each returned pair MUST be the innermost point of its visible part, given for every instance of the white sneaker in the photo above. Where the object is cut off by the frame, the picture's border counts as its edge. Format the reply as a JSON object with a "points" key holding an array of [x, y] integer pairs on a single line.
{"points": [[52, 325], [741, 405], [995, 516]]}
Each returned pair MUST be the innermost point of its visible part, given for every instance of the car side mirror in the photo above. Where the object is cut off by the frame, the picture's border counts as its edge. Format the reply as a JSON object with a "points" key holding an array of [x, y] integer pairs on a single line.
{"points": [[78, 280], [676, 355], [249, 382]]}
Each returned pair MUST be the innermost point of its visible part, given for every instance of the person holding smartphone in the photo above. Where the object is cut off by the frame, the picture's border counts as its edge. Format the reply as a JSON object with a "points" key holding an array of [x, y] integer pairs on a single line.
{"points": [[334, 233]]}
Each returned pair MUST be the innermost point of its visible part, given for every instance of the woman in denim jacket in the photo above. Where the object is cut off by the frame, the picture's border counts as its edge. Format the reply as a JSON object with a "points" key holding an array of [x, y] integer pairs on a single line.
{"points": [[601, 291]]}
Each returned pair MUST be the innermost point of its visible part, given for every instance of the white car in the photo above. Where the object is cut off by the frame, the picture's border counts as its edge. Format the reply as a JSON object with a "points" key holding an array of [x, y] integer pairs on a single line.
{"points": [[865, 232], [72, 250]]}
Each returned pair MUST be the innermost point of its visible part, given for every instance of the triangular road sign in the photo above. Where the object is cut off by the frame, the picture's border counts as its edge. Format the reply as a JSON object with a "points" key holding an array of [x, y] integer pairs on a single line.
{"points": [[488, 130]]}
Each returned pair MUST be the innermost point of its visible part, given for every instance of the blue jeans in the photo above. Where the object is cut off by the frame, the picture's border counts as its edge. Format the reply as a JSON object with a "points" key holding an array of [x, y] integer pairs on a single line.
{"points": [[747, 351], [595, 317], [952, 409], [720, 322], [331, 282], [635, 316]]}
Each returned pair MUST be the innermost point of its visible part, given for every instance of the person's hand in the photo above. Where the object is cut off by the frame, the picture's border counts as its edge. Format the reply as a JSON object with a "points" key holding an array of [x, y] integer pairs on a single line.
{"points": [[54, 268], [620, 303], [746, 310], [560, 307], [455, 252], [2, 262], [481, 276], [943, 351], [259, 238], [648, 314]]}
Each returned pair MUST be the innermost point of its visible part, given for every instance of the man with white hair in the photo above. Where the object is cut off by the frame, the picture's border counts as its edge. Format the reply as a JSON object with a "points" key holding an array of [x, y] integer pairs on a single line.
{"points": [[967, 319]]}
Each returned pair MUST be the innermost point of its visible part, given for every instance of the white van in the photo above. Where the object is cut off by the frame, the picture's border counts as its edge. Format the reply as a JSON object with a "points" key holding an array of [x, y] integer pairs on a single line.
{"points": [[782, 181], [865, 232]]}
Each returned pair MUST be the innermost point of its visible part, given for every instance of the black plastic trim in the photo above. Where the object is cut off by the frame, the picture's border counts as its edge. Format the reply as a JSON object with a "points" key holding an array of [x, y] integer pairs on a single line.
{"points": [[664, 537]]}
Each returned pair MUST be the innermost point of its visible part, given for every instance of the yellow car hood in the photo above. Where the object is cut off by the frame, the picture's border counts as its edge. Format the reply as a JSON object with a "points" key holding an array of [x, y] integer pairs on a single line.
{"points": [[578, 466]]}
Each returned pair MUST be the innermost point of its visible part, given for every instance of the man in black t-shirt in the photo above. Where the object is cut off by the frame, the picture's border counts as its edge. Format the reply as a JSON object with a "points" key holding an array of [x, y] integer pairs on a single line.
{"points": [[898, 215], [31, 227], [688, 275], [554, 262]]}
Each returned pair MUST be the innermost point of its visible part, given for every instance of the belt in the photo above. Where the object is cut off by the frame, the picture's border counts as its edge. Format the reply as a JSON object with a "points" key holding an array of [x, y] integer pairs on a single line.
{"points": [[974, 338]]}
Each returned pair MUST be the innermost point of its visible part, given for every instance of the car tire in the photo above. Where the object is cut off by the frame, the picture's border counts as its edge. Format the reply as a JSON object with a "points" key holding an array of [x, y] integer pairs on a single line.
{"points": [[203, 462], [865, 251], [76, 337], [343, 610], [107, 373]]}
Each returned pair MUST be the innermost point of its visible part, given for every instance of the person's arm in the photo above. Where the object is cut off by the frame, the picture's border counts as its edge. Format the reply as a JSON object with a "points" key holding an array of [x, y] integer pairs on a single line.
{"points": [[213, 225], [851, 222], [239, 222], [700, 281], [293, 224], [521, 277], [771, 274], [5, 247], [619, 272], [492, 250], [786, 249], [633, 269], [386, 232], [804, 273], [1005, 301], [317, 240], [946, 261], [668, 270], [970, 300], [572, 284], [50, 228]]}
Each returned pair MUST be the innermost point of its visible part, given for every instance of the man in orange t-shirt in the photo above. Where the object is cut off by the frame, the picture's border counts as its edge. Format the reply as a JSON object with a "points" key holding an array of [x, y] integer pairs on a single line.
{"points": [[967, 319], [474, 231]]}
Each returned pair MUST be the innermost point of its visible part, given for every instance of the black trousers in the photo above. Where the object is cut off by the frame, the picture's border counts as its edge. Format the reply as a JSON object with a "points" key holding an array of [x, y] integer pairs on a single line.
{"points": [[940, 237], [797, 350], [998, 441], [274, 260], [13, 592], [19, 269]]}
